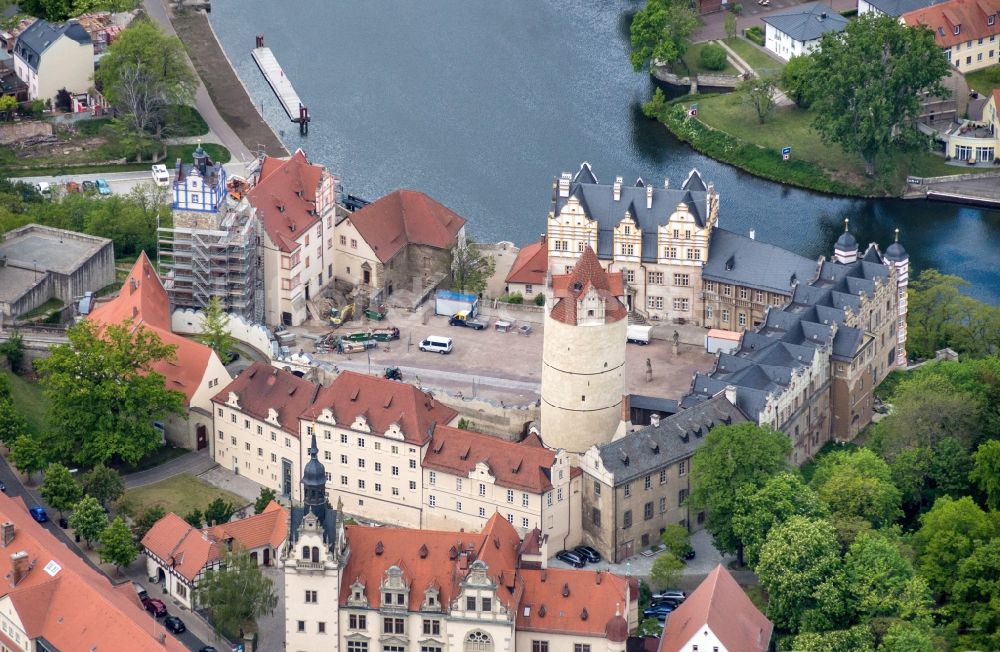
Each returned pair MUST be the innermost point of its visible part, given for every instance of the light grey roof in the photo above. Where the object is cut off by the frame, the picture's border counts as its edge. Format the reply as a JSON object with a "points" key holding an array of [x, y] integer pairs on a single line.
{"points": [[738, 260], [676, 438], [900, 7], [40, 35], [597, 201], [807, 22], [653, 403]]}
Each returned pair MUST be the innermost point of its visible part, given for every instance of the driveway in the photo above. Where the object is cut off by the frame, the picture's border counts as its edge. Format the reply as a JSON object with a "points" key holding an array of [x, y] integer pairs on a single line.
{"points": [[191, 463]]}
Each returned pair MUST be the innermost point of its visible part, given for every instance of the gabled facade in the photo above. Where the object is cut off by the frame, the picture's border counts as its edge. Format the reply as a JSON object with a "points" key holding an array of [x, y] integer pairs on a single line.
{"points": [[527, 274], [50, 57], [966, 30]]}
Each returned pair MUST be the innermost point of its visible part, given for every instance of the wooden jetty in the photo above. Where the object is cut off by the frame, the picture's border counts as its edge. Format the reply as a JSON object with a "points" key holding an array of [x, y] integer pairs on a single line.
{"points": [[281, 85]]}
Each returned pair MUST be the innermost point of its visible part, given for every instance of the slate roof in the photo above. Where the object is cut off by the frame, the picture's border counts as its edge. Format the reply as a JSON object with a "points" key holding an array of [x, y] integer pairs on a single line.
{"points": [[517, 465], [900, 7], [718, 604], [653, 403], [968, 15], [406, 217], [735, 259], [791, 336], [807, 22], [677, 437], [39, 37], [599, 204]]}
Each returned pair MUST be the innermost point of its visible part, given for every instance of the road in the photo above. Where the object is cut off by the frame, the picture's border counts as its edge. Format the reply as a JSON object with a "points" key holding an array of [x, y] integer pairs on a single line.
{"points": [[121, 183]]}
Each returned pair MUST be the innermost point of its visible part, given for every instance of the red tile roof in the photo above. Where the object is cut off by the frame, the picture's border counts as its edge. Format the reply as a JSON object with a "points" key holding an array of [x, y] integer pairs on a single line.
{"points": [[261, 387], [64, 600], [285, 198], [143, 300], [514, 465], [575, 601], [383, 403], [531, 264], [406, 217], [588, 273], [189, 549], [968, 15], [718, 604]]}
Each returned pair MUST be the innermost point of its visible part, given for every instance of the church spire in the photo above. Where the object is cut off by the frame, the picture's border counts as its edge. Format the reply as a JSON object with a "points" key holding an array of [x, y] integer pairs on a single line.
{"points": [[314, 484]]}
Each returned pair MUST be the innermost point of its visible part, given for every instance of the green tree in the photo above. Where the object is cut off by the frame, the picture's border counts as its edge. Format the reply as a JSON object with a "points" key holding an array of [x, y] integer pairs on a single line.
{"points": [[540, 299], [905, 637], [104, 484], [732, 461], [147, 520], [28, 455], [797, 79], [937, 306], [730, 25], [88, 519], [677, 540], [12, 423], [927, 409], [118, 545], [758, 511], [712, 56], [215, 329], [264, 499], [666, 571], [975, 603], [874, 74], [8, 105], [470, 269], [855, 639], [986, 472], [949, 533], [219, 511], [797, 558], [882, 583], [236, 593], [60, 489], [660, 31], [195, 518], [104, 394], [13, 348], [858, 483], [758, 94]]}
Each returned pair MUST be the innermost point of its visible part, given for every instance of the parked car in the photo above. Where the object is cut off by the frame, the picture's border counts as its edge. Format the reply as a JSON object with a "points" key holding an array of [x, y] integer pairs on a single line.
{"points": [[659, 611], [174, 624], [672, 594], [43, 187], [437, 344], [571, 558], [88, 186], [3, 486], [38, 513], [588, 554], [102, 187], [72, 187], [231, 357], [160, 175], [154, 606], [464, 318], [207, 648]]}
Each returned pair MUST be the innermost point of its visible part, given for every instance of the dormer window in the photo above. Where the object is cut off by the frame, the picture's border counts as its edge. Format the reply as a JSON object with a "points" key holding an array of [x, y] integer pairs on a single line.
{"points": [[958, 29], [990, 20]]}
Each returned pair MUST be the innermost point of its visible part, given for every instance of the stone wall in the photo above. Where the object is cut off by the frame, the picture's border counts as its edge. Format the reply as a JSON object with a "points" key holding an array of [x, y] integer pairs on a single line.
{"points": [[505, 421], [256, 336], [525, 312], [12, 132]]}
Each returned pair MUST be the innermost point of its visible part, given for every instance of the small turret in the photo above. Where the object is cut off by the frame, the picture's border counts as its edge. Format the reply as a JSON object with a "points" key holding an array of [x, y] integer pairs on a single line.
{"points": [[846, 249], [201, 159], [896, 253], [314, 484]]}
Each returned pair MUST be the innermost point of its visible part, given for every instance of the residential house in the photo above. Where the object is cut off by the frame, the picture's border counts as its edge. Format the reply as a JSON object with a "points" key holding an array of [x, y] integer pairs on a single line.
{"points": [[53, 600], [635, 486], [717, 617], [797, 31], [178, 554], [195, 369], [976, 141], [468, 477], [527, 274], [966, 30], [893, 7], [50, 57], [403, 241], [295, 202]]}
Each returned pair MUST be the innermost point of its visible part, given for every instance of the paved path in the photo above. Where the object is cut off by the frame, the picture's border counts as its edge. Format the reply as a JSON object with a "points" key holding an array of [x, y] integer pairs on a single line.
{"points": [[191, 463], [424, 373]]}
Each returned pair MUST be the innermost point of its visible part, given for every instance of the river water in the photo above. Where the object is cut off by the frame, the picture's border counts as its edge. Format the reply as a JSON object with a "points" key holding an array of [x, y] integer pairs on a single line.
{"points": [[481, 104]]}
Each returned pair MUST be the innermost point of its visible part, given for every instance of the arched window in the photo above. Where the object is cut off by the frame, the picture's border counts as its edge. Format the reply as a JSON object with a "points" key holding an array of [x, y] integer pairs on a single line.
{"points": [[315, 555], [478, 641], [305, 553]]}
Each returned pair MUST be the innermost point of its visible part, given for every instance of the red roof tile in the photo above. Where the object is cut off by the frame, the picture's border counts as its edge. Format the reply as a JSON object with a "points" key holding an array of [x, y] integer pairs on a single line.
{"points": [[64, 600], [718, 604], [261, 387], [406, 217], [968, 15], [531, 264], [383, 403], [588, 273], [143, 300], [285, 198], [514, 465], [269, 528], [565, 593]]}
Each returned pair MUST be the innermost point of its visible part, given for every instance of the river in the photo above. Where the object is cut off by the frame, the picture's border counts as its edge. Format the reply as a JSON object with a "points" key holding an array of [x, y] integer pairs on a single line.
{"points": [[481, 104]]}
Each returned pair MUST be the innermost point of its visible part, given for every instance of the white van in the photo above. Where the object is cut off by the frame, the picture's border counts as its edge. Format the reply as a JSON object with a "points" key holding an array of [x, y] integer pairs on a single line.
{"points": [[160, 176], [436, 344]]}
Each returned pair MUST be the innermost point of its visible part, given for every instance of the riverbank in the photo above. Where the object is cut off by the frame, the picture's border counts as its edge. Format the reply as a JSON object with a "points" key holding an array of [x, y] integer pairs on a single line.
{"points": [[728, 132], [224, 86]]}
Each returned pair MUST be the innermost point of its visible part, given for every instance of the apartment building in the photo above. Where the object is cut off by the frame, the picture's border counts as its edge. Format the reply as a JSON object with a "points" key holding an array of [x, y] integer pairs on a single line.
{"points": [[966, 30], [49, 57]]}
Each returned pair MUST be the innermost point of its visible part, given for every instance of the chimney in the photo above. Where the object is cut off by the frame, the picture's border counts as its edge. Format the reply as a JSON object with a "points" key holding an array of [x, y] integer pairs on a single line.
{"points": [[564, 181], [618, 188], [731, 394], [822, 16], [753, 234], [19, 567], [7, 533], [649, 197], [654, 420]]}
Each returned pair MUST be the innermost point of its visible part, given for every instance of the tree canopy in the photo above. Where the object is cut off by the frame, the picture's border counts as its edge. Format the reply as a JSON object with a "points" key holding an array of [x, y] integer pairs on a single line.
{"points": [[263, 500], [118, 546], [874, 73], [858, 483], [660, 31], [60, 489], [89, 519], [104, 395], [986, 473], [236, 593], [948, 533], [104, 484], [471, 269], [758, 511], [215, 329]]}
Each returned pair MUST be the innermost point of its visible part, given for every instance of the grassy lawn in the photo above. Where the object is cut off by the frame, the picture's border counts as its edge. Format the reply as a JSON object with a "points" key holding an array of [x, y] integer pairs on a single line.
{"points": [[217, 153], [29, 400], [691, 60], [49, 167], [984, 80], [755, 57], [185, 121], [180, 494]]}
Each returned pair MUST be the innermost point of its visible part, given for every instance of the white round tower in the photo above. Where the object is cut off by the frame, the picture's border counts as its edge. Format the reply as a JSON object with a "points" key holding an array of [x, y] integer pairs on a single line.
{"points": [[897, 257], [583, 357]]}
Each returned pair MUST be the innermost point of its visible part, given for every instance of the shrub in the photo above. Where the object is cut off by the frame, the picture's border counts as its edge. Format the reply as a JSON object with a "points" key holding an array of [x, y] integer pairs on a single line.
{"points": [[540, 299], [756, 34], [712, 57], [513, 297]]}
